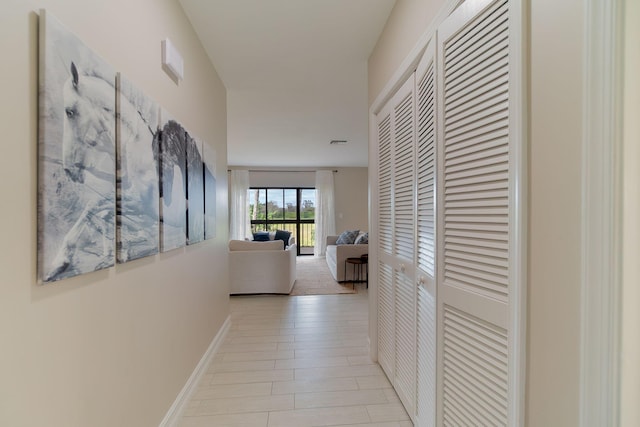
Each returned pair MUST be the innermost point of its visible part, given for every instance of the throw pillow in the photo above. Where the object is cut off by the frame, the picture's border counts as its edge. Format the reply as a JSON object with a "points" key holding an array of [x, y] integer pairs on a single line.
{"points": [[362, 239], [284, 236], [347, 237], [261, 236]]}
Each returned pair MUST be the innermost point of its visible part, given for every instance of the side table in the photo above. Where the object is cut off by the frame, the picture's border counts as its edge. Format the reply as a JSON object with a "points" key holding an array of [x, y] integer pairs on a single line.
{"points": [[359, 264]]}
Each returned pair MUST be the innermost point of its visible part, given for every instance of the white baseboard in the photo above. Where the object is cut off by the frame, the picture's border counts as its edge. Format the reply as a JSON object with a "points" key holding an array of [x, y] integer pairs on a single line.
{"points": [[175, 412]]}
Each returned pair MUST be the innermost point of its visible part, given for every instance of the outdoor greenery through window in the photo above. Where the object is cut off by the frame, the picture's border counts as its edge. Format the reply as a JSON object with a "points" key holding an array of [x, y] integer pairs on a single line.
{"points": [[290, 209]]}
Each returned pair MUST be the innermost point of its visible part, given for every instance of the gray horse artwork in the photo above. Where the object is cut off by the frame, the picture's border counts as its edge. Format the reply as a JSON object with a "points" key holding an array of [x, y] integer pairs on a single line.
{"points": [[173, 184], [137, 205], [195, 191], [76, 157], [209, 157]]}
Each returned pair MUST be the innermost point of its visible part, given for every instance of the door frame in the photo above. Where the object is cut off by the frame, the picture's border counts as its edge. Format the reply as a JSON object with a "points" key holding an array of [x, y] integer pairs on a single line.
{"points": [[601, 281]]}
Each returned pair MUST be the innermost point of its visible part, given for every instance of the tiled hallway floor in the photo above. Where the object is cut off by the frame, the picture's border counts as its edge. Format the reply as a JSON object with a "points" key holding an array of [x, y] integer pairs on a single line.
{"points": [[296, 361]]}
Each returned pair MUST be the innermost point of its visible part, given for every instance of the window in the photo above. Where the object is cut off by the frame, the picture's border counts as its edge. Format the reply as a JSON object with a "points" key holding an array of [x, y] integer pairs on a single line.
{"points": [[291, 209]]}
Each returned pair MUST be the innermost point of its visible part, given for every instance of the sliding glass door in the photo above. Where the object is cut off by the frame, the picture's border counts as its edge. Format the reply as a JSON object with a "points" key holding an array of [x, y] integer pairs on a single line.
{"points": [[290, 209]]}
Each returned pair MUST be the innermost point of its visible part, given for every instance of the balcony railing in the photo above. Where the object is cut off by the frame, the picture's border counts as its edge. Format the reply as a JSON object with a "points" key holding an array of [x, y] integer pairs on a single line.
{"points": [[306, 240]]}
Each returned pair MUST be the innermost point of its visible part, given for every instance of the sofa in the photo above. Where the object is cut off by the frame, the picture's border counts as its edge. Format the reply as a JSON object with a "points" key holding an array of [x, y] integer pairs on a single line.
{"points": [[336, 255], [261, 267]]}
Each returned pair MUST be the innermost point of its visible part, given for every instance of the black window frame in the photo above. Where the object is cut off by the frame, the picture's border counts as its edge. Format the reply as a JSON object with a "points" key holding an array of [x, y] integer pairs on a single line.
{"points": [[263, 224]]}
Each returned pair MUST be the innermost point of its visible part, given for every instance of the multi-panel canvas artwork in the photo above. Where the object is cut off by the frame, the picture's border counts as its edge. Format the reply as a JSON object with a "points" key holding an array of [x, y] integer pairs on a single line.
{"points": [[118, 177], [209, 156], [173, 184], [195, 191], [138, 207], [76, 157]]}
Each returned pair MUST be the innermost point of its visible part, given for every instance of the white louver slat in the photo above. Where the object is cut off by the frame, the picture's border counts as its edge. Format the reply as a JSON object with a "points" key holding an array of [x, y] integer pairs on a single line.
{"points": [[475, 203]]}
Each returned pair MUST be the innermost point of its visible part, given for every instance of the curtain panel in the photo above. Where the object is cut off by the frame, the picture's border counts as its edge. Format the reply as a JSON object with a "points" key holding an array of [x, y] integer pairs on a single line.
{"points": [[325, 211], [239, 224]]}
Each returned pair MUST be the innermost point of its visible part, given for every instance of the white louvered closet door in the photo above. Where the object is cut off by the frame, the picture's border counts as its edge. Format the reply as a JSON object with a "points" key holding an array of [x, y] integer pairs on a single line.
{"points": [[396, 242], [425, 216], [477, 280], [404, 243], [386, 316]]}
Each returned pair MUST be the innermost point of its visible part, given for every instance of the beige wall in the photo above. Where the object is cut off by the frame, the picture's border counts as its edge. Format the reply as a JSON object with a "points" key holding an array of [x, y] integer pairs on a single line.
{"points": [[111, 348], [408, 21], [352, 199], [630, 410], [282, 179], [555, 67]]}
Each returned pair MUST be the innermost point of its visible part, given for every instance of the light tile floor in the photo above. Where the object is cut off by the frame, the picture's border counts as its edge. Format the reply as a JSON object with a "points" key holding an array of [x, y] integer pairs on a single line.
{"points": [[296, 361]]}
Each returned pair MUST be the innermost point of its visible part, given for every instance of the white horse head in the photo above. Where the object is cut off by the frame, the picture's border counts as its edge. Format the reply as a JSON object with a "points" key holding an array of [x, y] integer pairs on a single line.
{"points": [[88, 142], [88, 159]]}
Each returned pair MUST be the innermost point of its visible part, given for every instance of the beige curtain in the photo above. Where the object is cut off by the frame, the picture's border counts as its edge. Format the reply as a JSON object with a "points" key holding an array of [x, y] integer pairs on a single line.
{"points": [[325, 211], [239, 223]]}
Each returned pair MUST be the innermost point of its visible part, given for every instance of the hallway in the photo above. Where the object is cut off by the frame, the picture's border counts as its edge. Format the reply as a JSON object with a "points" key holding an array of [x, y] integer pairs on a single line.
{"points": [[296, 361]]}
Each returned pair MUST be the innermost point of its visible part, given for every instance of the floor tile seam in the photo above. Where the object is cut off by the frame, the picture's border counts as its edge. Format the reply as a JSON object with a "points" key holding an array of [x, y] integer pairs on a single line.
{"points": [[354, 342], [335, 337], [382, 390], [222, 415], [364, 407], [248, 350], [250, 353], [327, 391], [259, 327], [239, 333], [244, 412], [303, 356], [253, 371], [222, 386], [246, 398], [339, 364], [258, 371], [342, 406], [333, 346]]}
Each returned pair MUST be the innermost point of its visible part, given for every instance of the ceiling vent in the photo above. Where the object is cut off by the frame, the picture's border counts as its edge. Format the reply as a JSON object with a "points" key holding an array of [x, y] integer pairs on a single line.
{"points": [[338, 142]]}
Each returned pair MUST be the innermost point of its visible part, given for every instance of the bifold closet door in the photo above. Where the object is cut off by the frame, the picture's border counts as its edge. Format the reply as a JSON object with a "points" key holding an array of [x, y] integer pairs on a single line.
{"points": [[404, 243], [396, 244], [386, 305], [478, 278], [425, 241]]}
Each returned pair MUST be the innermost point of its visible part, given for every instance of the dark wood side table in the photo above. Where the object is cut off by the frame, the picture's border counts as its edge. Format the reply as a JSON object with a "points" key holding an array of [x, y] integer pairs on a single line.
{"points": [[359, 264]]}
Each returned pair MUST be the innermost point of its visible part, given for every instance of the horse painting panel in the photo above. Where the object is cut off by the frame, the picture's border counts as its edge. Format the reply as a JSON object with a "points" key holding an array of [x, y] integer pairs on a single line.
{"points": [[209, 157], [173, 184], [138, 195], [195, 191], [76, 156]]}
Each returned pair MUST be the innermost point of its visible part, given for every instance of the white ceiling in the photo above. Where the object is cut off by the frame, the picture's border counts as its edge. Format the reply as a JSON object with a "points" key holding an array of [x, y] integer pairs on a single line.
{"points": [[296, 76]]}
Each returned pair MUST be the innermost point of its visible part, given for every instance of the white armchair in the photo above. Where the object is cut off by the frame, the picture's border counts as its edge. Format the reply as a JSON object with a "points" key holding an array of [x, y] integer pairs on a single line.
{"points": [[261, 267], [336, 256]]}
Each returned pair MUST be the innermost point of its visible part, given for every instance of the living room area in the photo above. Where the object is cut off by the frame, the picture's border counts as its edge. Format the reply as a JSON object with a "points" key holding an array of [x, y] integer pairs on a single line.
{"points": [[308, 216]]}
